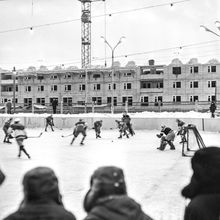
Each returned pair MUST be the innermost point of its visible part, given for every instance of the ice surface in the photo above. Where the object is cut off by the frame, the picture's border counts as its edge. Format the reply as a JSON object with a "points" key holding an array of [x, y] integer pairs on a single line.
{"points": [[154, 178]]}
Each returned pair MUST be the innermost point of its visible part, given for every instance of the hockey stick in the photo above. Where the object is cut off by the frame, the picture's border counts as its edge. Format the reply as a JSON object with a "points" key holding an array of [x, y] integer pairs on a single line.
{"points": [[35, 136], [66, 135], [58, 128]]}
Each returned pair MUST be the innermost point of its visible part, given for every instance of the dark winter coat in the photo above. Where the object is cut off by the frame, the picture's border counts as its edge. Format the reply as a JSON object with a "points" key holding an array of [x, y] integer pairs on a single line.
{"points": [[212, 107], [2, 177], [204, 187], [49, 120], [166, 130], [126, 119], [116, 207], [42, 200]]}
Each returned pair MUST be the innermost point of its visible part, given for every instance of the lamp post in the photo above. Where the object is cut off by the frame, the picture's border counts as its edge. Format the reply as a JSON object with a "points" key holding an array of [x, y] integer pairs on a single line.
{"points": [[217, 23], [112, 86], [14, 87]]}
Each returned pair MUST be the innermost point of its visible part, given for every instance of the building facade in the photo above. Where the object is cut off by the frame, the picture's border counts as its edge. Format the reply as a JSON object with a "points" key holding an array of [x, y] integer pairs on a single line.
{"points": [[139, 88]]}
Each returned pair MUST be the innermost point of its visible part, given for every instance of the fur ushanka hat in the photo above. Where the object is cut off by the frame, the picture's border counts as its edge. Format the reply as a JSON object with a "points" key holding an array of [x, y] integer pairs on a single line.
{"points": [[41, 184], [206, 173]]}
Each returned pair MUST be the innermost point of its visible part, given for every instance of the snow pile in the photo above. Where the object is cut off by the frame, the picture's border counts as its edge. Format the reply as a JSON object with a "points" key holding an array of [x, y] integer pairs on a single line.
{"points": [[147, 114]]}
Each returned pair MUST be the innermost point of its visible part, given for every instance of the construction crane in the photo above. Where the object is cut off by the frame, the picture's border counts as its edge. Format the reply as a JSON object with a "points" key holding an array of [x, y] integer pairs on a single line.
{"points": [[86, 32]]}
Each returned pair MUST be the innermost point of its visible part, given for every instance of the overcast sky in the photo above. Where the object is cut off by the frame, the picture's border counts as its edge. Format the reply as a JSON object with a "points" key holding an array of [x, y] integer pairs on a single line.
{"points": [[147, 32]]}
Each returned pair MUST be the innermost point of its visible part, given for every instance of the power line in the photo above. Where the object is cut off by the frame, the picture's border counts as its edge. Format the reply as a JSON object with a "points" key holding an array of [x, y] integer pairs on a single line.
{"points": [[96, 16]]}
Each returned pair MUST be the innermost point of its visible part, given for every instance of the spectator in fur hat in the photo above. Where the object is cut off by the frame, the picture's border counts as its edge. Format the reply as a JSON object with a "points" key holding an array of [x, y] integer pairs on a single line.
{"points": [[204, 187], [107, 197], [2, 177], [42, 199]]}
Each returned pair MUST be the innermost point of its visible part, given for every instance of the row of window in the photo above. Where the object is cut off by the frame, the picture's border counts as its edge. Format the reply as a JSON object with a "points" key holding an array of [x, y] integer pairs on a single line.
{"points": [[69, 76], [193, 69], [127, 86], [67, 101], [195, 84]]}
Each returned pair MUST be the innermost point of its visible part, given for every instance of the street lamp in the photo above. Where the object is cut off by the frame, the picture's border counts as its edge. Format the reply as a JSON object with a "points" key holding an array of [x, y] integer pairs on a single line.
{"points": [[14, 86], [217, 23], [112, 50]]}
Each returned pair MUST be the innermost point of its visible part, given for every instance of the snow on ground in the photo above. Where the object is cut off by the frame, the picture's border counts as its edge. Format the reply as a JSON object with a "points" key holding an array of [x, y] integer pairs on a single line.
{"points": [[154, 178], [147, 114]]}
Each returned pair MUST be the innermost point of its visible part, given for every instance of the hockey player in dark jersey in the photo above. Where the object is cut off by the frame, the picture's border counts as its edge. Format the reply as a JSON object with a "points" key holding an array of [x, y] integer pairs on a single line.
{"points": [[97, 127], [80, 128], [20, 134], [6, 130], [166, 136], [127, 120], [49, 122], [181, 130]]}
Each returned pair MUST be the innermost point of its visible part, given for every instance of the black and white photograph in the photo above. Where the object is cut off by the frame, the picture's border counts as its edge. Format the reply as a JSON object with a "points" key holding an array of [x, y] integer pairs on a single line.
{"points": [[110, 110]]}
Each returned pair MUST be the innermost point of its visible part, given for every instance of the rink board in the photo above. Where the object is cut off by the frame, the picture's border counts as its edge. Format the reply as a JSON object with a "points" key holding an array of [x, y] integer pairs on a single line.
{"points": [[38, 121]]}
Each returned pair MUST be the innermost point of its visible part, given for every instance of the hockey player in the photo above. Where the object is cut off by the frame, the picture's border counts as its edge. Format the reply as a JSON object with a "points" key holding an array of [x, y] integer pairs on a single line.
{"points": [[181, 130], [80, 127], [123, 129], [20, 134], [49, 121], [127, 120], [97, 127], [166, 136], [6, 131]]}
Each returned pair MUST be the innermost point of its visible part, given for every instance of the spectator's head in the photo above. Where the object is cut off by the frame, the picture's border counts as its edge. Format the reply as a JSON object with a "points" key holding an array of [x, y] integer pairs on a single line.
{"points": [[41, 184], [80, 119], [2, 177], [206, 173], [17, 120], [105, 181]]}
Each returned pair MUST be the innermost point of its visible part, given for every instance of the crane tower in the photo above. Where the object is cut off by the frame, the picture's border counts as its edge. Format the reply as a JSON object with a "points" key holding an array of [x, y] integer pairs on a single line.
{"points": [[86, 32]]}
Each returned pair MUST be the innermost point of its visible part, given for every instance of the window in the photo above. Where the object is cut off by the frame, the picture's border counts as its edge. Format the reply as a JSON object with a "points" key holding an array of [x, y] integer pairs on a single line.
{"points": [[67, 87], [158, 101], [176, 70], [82, 87], [53, 77], [27, 88], [67, 76], [194, 84], [127, 74], [109, 100], [67, 101], [97, 100], [80, 102], [128, 99], [194, 69], [40, 101], [40, 88], [40, 77], [146, 71], [211, 98], [97, 86], [211, 84], [53, 88], [28, 102], [27, 78], [96, 76], [127, 86], [144, 101], [194, 98], [177, 98], [211, 69], [82, 75], [176, 84], [110, 86]]}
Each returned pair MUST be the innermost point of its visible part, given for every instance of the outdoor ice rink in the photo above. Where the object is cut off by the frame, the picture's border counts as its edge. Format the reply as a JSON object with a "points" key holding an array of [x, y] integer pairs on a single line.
{"points": [[154, 178]]}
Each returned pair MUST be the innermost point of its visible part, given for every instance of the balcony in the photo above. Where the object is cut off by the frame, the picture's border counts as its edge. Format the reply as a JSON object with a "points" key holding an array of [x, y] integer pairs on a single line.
{"points": [[8, 82]]}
